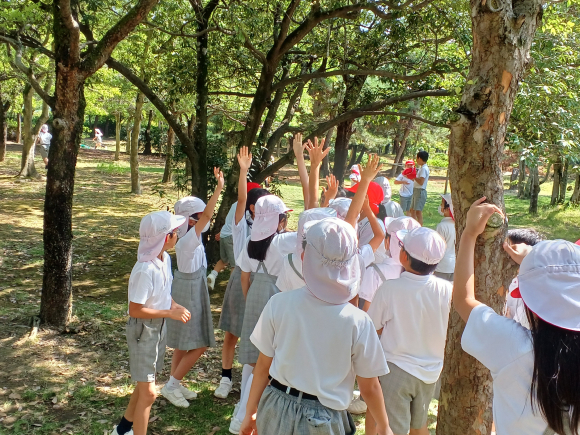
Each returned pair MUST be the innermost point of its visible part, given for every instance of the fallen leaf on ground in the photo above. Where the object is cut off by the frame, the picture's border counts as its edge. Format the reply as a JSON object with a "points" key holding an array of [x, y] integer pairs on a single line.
{"points": [[214, 430], [54, 399], [15, 396], [102, 421], [152, 419]]}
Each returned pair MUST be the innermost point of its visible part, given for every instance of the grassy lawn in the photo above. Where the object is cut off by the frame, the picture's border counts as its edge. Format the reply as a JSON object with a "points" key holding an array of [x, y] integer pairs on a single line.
{"points": [[77, 382]]}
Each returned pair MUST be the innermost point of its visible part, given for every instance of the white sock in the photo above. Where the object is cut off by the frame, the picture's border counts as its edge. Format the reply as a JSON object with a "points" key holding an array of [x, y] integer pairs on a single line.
{"points": [[244, 400], [172, 383], [213, 273], [247, 370]]}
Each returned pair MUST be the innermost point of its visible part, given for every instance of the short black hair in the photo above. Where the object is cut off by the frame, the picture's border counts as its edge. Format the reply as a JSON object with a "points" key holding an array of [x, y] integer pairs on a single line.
{"points": [[527, 236], [382, 212], [348, 194], [341, 192], [423, 155], [446, 205], [420, 267]]}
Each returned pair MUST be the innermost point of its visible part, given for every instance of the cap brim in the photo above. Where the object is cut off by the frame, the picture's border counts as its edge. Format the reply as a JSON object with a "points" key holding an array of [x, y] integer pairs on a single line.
{"points": [[401, 234], [177, 221]]}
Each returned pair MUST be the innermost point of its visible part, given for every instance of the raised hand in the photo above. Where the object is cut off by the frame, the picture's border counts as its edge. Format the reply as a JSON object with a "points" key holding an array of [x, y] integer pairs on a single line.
{"points": [[317, 152], [332, 189], [244, 159], [219, 176], [478, 215], [297, 146], [369, 171]]}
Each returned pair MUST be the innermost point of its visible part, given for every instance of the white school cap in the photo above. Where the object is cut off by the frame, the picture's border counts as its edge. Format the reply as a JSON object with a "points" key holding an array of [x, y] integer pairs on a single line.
{"points": [[398, 224], [152, 231], [307, 216], [423, 244], [341, 206], [549, 283], [44, 128], [266, 217], [386, 186], [332, 266], [186, 207], [447, 198]]}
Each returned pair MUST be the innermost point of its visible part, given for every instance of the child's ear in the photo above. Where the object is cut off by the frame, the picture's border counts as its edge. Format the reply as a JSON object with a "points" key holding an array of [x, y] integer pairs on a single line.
{"points": [[252, 208]]}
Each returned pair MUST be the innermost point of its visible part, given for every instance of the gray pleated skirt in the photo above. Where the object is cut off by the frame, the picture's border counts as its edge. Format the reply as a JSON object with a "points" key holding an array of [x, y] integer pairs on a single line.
{"points": [[190, 291], [262, 289], [234, 305]]}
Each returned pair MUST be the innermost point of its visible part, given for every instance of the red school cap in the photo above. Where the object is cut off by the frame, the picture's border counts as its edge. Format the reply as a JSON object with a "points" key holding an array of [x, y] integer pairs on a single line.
{"points": [[375, 194], [252, 185], [410, 162]]}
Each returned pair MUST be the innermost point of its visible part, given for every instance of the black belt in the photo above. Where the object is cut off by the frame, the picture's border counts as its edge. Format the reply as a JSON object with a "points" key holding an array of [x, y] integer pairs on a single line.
{"points": [[292, 391]]}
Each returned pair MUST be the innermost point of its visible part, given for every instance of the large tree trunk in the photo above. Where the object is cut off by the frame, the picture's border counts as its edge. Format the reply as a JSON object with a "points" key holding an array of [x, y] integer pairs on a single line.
{"points": [[500, 53], [564, 182], [147, 150], [168, 156], [117, 136], [18, 127], [134, 159], [557, 177], [575, 198], [534, 190], [4, 106]]}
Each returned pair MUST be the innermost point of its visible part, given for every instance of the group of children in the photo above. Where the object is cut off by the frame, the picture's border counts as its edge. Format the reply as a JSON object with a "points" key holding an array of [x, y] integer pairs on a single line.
{"points": [[359, 293]]}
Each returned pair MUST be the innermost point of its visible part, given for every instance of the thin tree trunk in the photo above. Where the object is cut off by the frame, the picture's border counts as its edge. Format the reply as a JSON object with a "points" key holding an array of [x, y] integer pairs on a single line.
{"points": [[535, 190], [501, 45], [134, 159], [4, 106], [168, 157], [575, 198], [528, 187], [557, 178], [397, 168], [147, 151], [547, 175], [106, 129], [128, 139], [96, 123], [18, 127], [522, 179], [117, 136], [564, 182], [325, 170]]}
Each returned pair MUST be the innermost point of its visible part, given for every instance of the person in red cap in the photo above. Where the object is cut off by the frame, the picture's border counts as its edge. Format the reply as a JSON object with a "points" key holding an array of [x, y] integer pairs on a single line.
{"points": [[405, 180], [536, 382]]}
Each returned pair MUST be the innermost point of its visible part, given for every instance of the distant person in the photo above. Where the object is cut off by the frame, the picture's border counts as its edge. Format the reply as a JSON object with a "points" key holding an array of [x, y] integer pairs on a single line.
{"points": [[43, 140], [405, 180], [446, 229], [98, 139], [354, 175], [420, 187]]}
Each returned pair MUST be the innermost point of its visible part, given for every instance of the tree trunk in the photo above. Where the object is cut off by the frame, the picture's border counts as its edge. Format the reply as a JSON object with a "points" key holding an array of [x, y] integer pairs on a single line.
{"points": [[500, 53], [534, 190], [106, 129], [557, 178], [134, 159], [96, 123], [18, 127], [147, 151], [325, 170], [397, 168], [547, 175], [4, 106], [117, 136], [564, 182], [522, 179], [528, 187], [128, 139], [168, 156], [575, 198]]}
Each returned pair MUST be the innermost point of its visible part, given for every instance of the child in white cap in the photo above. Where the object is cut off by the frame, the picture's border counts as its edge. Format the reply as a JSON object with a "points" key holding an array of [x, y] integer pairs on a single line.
{"points": [[150, 304], [190, 290], [536, 382], [446, 228], [388, 207], [297, 334], [411, 314], [264, 257], [354, 175], [43, 140], [234, 304]]}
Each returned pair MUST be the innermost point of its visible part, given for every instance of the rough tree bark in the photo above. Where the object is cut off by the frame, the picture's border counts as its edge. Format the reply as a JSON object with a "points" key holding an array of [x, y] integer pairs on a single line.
{"points": [[396, 169], [4, 106], [168, 156], [575, 198], [27, 168], [147, 150], [558, 169], [564, 182], [534, 190], [325, 169], [117, 136], [502, 37], [134, 158], [18, 127], [128, 139]]}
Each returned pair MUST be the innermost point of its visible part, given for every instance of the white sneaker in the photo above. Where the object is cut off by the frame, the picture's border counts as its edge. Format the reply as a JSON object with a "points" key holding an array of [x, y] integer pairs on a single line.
{"points": [[174, 396], [236, 408], [235, 425], [224, 389], [357, 406], [187, 393], [211, 280], [117, 433]]}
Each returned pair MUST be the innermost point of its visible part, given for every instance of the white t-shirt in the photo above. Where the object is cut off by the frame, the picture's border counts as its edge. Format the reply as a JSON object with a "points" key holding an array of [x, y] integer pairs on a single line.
{"points": [[406, 189], [190, 252], [150, 283], [45, 139], [423, 172], [365, 232], [505, 348], [414, 312], [372, 281], [280, 247], [317, 347], [240, 233], [446, 229], [227, 229], [288, 279]]}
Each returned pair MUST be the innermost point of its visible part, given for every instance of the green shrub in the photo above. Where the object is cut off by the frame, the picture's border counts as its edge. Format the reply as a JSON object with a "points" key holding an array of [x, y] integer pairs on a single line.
{"points": [[439, 160]]}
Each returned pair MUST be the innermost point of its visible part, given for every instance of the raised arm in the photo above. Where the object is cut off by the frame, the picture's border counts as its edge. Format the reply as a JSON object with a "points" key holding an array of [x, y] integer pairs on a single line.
{"points": [[331, 190], [245, 161], [464, 282], [378, 234], [368, 173], [298, 149], [317, 154], [210, 207]]}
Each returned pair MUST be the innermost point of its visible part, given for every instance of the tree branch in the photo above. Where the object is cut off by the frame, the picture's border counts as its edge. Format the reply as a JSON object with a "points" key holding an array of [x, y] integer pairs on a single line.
{"points": [[190, 35], [234, 94], [261, 57], [97, 57], [71, 24], [286, 21], [408, 115]]}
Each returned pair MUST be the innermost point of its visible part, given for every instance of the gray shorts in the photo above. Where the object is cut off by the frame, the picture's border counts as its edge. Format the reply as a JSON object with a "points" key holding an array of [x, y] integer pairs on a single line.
{"points": [[445, 276], [146, 340], [282, 414], [227, 250], [407, 399], [43, 151], [405, 202], [419, 199]]}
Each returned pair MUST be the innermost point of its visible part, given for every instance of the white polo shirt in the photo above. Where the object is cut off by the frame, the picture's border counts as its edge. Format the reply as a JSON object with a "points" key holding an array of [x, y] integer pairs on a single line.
{"points": [[406, 189], [446, 228], [281, 246], [227, 229], [190, 252], [414, 312], [317, 347], [150, 283], [288, 279], [422, 172], [372, 281], [505, 348], [45, 139], [240, 233]]}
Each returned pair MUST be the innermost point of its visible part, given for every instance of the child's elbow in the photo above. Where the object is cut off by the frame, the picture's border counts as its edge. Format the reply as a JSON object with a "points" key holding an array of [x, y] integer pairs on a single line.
{"points": [[134, 309]]}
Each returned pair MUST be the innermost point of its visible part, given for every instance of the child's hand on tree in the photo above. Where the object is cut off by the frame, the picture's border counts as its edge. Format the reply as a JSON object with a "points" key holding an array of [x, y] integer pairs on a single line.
{"points": [[317, 152], [371, 169], [219, 176], [478, 215], [244, 159]]}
